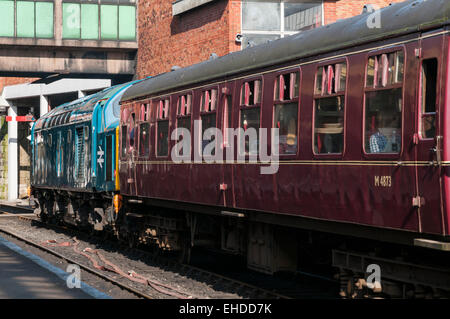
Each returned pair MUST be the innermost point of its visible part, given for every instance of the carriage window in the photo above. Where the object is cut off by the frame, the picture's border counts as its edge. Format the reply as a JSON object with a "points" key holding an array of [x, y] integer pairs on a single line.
{"points": [[428, 97], [144, 139], [163, 128], [251, 93], [208, 105], [184, 111], [286, 111], [226, 118], [208, 100], [329, 102], [385, 69], [124, 141], [250, 115], [184, 106], [383, 103]]}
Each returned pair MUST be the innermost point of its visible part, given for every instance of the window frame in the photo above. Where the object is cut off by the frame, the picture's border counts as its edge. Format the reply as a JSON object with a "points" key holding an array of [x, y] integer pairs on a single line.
{"points": [[178, 117], [126, 108], [295, 99], [322, 96], [202, 112], [184, 116], [421, 113], [281, 32], [366, 89], [147, 106], [250, 107]]}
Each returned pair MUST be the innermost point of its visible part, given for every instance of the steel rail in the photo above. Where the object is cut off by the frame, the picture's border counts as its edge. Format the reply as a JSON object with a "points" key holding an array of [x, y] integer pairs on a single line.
{"points": [[188, 268], [70, 260]]}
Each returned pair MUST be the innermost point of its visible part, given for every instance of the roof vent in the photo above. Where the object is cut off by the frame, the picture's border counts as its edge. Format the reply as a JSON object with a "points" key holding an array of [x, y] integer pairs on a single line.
{"points": [[369, 8], [175, 67], [213, 56]]}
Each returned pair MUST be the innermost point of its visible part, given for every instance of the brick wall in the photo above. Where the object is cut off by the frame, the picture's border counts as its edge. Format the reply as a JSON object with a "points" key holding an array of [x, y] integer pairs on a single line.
{"points": [[342, 9], [6, 81], [186, 39], [189, 38]]}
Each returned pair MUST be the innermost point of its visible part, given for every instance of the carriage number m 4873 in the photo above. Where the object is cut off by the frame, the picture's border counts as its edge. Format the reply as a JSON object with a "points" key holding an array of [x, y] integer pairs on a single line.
{"points": [[383, 181]]}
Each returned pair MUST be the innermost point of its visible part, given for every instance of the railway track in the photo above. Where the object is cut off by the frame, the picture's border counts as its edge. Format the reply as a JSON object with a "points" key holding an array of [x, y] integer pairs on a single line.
{"points": [[240, 287], [72, 261]]}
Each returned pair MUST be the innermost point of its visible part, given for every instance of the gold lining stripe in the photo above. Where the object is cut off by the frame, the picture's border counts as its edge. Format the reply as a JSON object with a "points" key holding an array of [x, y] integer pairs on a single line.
{"points": [[299, 162]]}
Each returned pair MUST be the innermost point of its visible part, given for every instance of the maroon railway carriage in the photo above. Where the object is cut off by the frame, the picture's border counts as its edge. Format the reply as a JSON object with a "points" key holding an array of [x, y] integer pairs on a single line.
{"points": [[364, 150]]}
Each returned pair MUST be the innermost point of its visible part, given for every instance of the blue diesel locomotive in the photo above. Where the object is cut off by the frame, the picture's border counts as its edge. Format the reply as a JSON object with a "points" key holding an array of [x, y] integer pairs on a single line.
{"points": [[75, 159]]}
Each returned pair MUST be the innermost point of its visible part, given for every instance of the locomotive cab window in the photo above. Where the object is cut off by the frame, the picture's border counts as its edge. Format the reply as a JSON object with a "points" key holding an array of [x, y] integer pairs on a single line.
{"points": [[329, 103], [250, 106], [208, 116], [123, 150], [383, 103], [144, 131], [162, 138], [428, 90], [286, 111]]}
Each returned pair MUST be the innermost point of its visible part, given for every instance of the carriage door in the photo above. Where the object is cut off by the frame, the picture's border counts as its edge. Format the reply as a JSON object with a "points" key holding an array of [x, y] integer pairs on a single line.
{"points": [[226, 182], [132, 134], [428, 135]]}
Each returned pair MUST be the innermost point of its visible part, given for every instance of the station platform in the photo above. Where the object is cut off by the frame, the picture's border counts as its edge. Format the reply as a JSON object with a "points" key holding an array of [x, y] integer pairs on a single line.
{"points": [[16, 207], [26, 276]]}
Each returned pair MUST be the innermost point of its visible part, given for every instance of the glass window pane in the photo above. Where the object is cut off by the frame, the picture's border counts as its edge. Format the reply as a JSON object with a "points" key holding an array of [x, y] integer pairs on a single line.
{"points": [[208, 121], [127, 23], [89, 21], [144, 139], [429, 126], [163, 138], [7, 18], [319, 80], [400, 65], [383, 121], [370, 72], [429, 85], [329, 125], [302, 16], [286, 121], [184, 122], [71, 21], [108, 22], [250, 118], [44, 23], [261, 16], [25, 19]]}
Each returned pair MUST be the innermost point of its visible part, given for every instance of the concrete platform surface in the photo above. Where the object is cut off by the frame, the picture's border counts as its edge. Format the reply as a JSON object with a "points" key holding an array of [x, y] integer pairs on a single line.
{"points": [[26, 276], [17, 207]]}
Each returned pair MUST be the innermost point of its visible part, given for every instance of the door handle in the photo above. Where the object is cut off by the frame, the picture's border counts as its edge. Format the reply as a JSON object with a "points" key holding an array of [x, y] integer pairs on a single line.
{"points": [[437, 150]]}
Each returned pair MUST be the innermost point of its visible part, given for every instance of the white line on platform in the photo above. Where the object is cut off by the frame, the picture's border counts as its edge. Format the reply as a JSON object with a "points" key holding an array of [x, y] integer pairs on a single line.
{"points": [[91, 291]]}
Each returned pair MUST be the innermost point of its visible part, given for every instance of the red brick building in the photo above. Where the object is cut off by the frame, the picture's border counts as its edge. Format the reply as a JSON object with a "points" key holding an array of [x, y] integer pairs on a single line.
{"points": [[186, 32]]}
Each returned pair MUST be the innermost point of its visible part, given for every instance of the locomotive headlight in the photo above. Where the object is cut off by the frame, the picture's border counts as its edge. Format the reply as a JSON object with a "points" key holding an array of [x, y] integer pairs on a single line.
{"points": [[117, 203]]}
